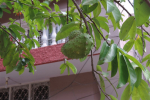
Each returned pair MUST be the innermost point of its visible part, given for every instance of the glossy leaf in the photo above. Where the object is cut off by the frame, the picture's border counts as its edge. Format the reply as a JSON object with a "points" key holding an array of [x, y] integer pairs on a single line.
{"points": [[97, 11], [103, 53], [143, 90], [147, 57], [17, 28], [126, 93], [87, 2], [102, 84], [110, 6], [62, 68], [139, 76], [97, 37], [139, 46], [99, 68], [114, 66], [123, 72], [112, 97], [141, 11], [132, 74], [126, 27], [111, 54], [66, 29], [72, 67], [128, 46], [135, 94]]}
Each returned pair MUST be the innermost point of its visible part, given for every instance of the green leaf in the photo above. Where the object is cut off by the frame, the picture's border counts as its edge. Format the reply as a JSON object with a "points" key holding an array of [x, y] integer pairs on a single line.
{"points": [[135, 61], [128, 46], [88, 2], [56, 7], [117, 15], [139, 76], [8, 58], [126, 27], [17, 28], [72, 67], [109, 66], [9, 69], [6, 10], [87, 9], [66, 29], [68, 70], [112, 97], [97, 11], [101, 18], [22, 70], [143, 90], [36, 42], [126, 93], [114, 66], [123, 72], [63, 67], [110, 6], [103, 53], [132, 74], [111, 17], [111, 54], [102, 84], [139, 46], [70, 3], [105, 74], [99, 68], [141, 11], [147, 57], [132, 31], [97, 37], [82, 59], [1, 13], [135, 94], [9, 4]]}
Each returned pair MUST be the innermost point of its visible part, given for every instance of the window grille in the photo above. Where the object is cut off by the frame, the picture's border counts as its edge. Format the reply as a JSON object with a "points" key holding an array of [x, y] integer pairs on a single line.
{"points": [[34, 91], [4, 94], [40, 91], [20, 92]]}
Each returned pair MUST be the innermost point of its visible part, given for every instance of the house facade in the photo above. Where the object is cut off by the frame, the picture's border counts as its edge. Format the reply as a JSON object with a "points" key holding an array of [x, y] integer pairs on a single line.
{"points": [[47, 83]]}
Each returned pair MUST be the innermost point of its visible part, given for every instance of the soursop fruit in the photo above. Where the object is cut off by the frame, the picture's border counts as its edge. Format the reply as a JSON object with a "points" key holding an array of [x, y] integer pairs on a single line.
{"points": [[78, 46]]}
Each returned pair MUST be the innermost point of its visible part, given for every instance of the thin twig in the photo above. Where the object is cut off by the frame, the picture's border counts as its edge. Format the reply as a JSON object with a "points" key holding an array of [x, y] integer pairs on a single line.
{"points": [[148, 2], [10, 35], [122, 7], [81, 14], [97, 29], [143, 43]]}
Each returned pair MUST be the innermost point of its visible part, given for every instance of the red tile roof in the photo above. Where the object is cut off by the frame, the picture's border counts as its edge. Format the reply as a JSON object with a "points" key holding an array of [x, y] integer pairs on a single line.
{"points": [[44, 55]]}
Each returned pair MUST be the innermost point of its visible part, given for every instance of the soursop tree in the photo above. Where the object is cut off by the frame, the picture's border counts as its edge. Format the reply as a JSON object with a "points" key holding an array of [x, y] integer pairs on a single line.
{"points": [[84, 31]]}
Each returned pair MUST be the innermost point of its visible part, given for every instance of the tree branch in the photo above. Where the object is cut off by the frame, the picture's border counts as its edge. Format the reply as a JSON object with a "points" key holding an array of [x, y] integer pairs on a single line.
{"points": [[97, 29], [81, 14], [148, 2], [10, 35]]}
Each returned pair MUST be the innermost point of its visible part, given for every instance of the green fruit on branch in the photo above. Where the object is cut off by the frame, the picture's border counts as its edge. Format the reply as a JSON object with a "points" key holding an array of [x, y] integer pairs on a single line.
{"points": [[78, 46]]}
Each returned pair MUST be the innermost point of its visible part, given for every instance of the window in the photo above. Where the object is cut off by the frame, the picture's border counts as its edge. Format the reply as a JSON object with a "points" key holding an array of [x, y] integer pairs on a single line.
{"points": [[35, 91], [4, 94], [40, 91], [20, 92]]}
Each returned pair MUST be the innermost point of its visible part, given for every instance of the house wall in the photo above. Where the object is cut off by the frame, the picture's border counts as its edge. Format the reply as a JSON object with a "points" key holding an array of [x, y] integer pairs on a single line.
{"points": [[84, 87]]}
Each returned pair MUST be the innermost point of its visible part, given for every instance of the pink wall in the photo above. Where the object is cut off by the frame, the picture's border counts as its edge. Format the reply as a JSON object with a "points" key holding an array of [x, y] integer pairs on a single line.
{"points": [[83, 88]]}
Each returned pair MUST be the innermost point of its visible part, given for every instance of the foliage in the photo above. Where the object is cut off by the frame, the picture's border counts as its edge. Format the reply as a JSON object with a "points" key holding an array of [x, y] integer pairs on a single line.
{"points": [[39, 15]]}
